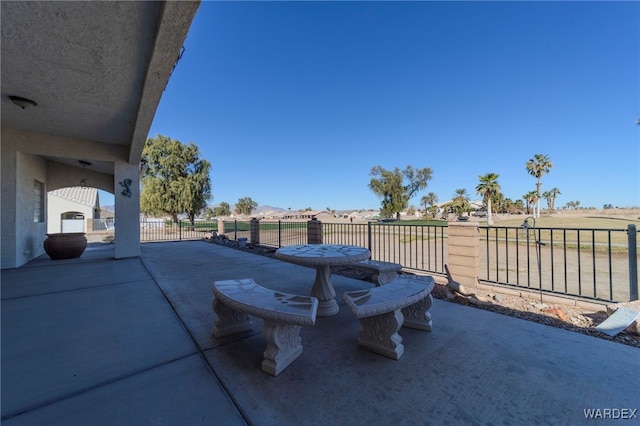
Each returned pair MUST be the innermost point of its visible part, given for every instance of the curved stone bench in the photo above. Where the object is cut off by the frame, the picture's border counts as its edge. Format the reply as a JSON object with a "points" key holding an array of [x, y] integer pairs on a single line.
{"points": [[283, 315], [381, 272], [383, 310]]}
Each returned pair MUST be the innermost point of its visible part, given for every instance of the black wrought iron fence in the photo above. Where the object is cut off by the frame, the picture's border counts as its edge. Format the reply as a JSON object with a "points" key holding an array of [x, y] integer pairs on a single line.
{"points": [[597, 264], [589, 263], [417, 247], [167, 230], [280, 233], [235, 229]]}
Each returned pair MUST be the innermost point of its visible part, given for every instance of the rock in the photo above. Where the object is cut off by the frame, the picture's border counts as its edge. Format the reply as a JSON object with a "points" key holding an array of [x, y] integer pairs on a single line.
{"points": [[497, 297], [558, 312], [540, 306]]}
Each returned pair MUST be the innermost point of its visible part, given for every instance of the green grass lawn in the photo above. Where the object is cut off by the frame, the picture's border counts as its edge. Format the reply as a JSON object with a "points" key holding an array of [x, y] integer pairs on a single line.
{"points": [[547, 225], [420, 222], [590, 222]]}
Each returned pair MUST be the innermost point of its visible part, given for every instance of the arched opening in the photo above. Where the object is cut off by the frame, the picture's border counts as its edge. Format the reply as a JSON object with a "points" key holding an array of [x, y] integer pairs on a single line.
{"points": [[77, 209], [72, 222]]}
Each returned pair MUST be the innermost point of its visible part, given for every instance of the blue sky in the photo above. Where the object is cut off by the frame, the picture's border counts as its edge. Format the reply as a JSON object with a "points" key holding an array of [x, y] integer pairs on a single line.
{"points": [[293, 103]]}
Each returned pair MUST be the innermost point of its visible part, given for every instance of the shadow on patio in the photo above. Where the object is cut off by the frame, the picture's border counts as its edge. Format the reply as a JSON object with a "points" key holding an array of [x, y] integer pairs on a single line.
{"points": [[102, 341]]}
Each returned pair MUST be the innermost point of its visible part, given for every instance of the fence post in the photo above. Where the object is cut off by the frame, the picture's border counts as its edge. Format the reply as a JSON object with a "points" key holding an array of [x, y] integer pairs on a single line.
{"points": [[369, 235], [314, 231], [220, 226], [279, 233], [180, 230], [235, 230], [463, 247], [633, 262], [255, 231]]}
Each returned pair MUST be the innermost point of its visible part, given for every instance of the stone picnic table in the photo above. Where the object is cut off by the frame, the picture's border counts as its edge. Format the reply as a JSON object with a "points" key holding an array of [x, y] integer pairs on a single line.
{"points": [[322, 257]]}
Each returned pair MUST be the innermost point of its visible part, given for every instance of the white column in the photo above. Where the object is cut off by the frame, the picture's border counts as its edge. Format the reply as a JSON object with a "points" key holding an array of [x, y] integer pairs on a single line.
{"points": [[127, 200]]}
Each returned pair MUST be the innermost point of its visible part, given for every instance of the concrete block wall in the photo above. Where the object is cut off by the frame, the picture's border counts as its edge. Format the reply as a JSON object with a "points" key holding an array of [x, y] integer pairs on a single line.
{"points": [[255, 231], [464, 252], [314, 231]]}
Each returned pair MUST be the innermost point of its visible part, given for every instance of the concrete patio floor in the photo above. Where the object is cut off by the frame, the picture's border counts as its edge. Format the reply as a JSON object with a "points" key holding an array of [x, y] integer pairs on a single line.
{"points": [[98, 341]]}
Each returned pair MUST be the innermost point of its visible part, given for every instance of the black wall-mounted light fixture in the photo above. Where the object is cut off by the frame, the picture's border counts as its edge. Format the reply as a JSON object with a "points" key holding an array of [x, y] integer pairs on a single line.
{"points": [[23, 103]]}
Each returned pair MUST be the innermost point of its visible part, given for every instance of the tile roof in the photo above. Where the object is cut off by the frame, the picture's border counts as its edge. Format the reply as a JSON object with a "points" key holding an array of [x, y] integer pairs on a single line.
{"points": [[79, 194]]}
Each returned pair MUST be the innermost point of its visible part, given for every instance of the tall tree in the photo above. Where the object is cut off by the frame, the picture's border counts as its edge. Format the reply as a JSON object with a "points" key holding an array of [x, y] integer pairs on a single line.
{"points": [[488, 188], [396, 187], [224, 209], [245, 205], [530, 198], [538, 166], [551, 196], [508, 206], [460, 202], [176, 180], [430, 199], [499, 202]]}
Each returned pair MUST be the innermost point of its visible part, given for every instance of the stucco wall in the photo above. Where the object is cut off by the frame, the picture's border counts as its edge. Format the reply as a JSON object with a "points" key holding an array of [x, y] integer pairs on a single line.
{"points": [[8, 205], [63, 176], [127, 215], [58, 205], [22, 238], [30, 235]]}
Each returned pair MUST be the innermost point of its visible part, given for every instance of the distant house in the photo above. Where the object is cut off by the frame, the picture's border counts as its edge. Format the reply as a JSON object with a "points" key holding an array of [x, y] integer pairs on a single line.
{"points": [[69, 208], [307, 214]]}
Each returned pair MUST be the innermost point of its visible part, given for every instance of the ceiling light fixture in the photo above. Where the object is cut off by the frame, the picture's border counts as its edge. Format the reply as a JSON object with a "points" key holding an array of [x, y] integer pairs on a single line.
{"points": [[84, 163], [22, 102]]}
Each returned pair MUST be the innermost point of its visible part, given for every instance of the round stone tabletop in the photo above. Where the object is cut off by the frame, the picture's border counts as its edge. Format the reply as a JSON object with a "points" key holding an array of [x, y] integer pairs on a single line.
{"points": [[323, 254]]}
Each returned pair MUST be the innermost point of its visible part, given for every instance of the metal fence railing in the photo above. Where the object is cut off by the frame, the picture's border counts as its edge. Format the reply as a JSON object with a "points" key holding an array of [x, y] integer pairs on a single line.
{"points": [[280, 233], [599, 264], [100, 225], [416, 247], [167, 230], [588, 263], [235, 229]]}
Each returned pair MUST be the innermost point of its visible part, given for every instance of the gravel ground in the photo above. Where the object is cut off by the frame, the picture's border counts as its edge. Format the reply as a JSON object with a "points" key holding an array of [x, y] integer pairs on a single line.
{"points": [[554, 315]]}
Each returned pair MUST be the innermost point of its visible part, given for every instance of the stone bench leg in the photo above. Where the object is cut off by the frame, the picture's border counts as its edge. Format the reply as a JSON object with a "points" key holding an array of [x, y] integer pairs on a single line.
{"points": [[284, 345], [417, 315], [382, 278], [229, 321], [380, 334]]}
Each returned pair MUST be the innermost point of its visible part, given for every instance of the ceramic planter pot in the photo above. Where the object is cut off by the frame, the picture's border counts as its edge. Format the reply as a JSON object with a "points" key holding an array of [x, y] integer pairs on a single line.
{"points": [[65, 245]]}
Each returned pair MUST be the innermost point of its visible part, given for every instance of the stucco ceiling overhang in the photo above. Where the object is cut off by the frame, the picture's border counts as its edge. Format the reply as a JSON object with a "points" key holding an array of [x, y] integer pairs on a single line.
{"points": [[97, 71]]}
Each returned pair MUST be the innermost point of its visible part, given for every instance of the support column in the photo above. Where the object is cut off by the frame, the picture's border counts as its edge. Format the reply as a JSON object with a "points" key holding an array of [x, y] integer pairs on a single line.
{"points": [[464, 252], [255, 231], [314, 231], [127, 200]]}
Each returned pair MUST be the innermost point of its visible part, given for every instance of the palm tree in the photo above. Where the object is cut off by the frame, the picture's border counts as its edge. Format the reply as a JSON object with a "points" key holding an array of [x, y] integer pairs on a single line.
{"points": [[424, 201], [488, 188], [508, 206], [537, 166], [550, 196], [430, 199], [530, 198], [499, 202], [460, 201]]}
